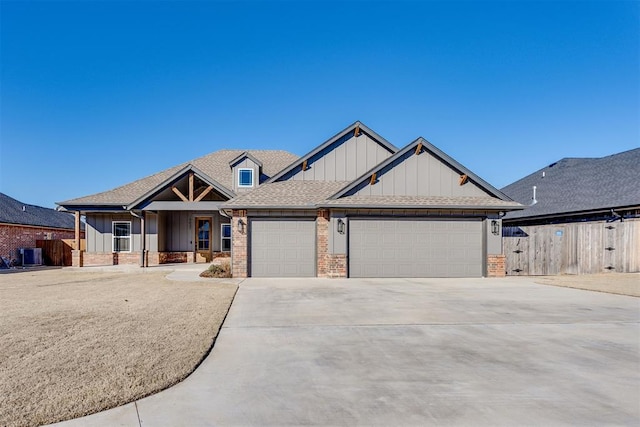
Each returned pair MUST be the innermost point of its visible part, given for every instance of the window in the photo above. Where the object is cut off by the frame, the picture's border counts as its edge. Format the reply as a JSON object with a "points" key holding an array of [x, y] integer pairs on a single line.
{"points": [[225, 238], [245, 177], [121, 236]]}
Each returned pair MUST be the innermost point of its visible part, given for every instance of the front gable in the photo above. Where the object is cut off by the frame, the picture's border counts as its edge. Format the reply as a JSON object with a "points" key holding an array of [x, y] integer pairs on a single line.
{"points": [[420, 170], [188, 185], [343, 157]]}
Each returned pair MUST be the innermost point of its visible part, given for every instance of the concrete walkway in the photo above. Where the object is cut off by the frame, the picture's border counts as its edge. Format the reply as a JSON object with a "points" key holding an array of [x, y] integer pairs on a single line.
{"points": [[409, 352]]}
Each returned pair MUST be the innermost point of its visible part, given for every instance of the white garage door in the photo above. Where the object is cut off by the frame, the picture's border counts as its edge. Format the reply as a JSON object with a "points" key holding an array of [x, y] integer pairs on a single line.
{"points": [[283, 248], [415, 248]]}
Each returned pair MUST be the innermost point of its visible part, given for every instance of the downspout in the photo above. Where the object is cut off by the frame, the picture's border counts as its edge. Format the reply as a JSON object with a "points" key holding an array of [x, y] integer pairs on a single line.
{"points": [[143, 236]]}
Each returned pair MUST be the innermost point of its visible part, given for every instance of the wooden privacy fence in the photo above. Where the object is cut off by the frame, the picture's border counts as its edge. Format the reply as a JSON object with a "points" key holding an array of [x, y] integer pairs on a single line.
{"points": [[573, 248], [58, 252]]}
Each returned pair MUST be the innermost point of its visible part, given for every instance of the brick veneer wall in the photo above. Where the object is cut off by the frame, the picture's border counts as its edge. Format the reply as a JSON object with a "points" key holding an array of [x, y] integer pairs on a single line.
{"points": [[322, 243], [239, 255], [336, 265], [496, 266], [15, 237]]}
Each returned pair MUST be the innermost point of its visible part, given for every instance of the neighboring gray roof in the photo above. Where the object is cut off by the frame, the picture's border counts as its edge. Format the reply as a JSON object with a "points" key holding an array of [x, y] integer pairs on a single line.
{"points": [[422, 202], [286, 194], [426, 145], [11, 212], [574, 185], [215, 165], [349, 129]]}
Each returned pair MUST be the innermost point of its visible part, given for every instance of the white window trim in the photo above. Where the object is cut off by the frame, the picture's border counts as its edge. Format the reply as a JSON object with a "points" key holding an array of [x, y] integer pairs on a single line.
{"points": [[223, 238], [113, 236], [252, 177]]}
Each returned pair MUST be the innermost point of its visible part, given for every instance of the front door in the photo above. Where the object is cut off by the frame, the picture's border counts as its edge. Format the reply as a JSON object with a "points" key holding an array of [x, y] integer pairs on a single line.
{"points": [[203, 240]]}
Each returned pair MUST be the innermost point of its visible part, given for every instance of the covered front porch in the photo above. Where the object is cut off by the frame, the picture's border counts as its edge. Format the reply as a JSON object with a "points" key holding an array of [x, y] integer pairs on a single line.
{"points": [[155, 237]]}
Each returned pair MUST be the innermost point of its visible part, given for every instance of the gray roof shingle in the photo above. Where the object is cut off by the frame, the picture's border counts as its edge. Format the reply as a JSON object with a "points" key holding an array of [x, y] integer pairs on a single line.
{"points": [[215, 165], [422, 202], [286, 194], [574, 185], [11, 213], [311, 194]]}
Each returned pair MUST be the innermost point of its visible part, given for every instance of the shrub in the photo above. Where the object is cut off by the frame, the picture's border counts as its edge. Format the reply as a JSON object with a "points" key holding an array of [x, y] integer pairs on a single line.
{"points": [[217, 270]]}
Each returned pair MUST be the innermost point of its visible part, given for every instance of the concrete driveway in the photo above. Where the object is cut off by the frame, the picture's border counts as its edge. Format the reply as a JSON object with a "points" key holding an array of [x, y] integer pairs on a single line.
{"points": [[409, 352]]}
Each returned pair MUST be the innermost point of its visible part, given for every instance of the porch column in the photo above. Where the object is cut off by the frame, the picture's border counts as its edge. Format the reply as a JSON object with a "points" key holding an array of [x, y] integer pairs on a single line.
{"points": [[77, 230], [76, 253], [143, 239]]}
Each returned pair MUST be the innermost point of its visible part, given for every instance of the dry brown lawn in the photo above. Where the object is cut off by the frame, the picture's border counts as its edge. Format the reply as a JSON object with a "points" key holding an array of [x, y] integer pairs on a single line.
{"points": [[613, 283], [75, 343]]}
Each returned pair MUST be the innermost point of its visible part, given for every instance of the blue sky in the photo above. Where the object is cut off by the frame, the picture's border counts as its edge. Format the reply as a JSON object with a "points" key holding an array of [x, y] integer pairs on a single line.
{"points": [[95, 94]]}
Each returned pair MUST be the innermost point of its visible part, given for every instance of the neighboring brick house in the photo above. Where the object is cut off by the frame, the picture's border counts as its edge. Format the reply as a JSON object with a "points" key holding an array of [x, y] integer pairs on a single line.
{"points": [[22, 224], [354, 206], [585, 217]]}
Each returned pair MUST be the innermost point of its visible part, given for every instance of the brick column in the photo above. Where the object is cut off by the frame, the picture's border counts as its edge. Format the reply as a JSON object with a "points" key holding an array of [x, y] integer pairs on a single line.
{"points": [[322, 242], [239, 255], [77, 258], [496, 266]]}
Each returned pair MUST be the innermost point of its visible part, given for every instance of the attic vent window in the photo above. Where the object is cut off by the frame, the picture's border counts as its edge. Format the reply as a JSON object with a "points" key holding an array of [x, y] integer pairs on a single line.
{"points": [[245, 178]]}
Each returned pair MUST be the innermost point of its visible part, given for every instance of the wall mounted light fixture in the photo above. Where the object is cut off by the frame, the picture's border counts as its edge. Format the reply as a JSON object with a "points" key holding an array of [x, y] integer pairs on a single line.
{"points": [[241, 226], [340, 226], [495, 227]]}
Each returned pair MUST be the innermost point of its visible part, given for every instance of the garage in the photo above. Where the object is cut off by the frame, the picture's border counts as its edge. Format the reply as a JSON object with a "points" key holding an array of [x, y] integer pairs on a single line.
{"points": [[411, 247], [283, 247]]}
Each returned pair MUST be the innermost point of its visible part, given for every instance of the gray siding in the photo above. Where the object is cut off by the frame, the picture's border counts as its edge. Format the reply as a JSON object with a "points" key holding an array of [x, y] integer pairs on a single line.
{"points": [[246, 163], [151, 236], [343, 161], [177, 230], [99, 229], [420, 175], [494, 241]]}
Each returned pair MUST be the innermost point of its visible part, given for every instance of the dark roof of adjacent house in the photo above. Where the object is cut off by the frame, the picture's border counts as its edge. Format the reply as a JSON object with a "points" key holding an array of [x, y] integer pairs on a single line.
{"points": [[13, 211], [579, 185], [214, 165]]}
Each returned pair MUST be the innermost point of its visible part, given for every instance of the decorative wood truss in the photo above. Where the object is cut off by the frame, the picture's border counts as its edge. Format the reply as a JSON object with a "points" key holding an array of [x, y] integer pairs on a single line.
{"points": [[192, 197]]}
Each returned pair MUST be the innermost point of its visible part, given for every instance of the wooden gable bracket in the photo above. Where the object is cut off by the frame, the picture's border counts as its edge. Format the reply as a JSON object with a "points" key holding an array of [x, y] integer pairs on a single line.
{"points": [[419, 148], [373, 179], [463, 179], [304, 165], [191, 182], [179, 193], [357, 131], [204, 193]]}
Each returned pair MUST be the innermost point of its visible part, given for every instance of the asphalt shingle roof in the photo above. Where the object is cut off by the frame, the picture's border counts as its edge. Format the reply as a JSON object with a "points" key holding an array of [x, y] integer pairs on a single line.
{"points": [[11, 213], [579, 184], [310, 194], [422, 202], [297, 194], [215, 165]]}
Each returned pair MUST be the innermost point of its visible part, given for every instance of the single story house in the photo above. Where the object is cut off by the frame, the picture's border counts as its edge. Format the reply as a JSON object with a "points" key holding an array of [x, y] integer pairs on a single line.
{"points": [[21, 225], [583, 216], [354, 206]]}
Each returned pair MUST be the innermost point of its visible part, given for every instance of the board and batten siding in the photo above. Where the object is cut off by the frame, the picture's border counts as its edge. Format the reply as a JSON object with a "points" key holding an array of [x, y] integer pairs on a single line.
{"points": [[573, 248], [177, 230], [99, 231], [419, 175], [246, 163], [343, 161]]}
